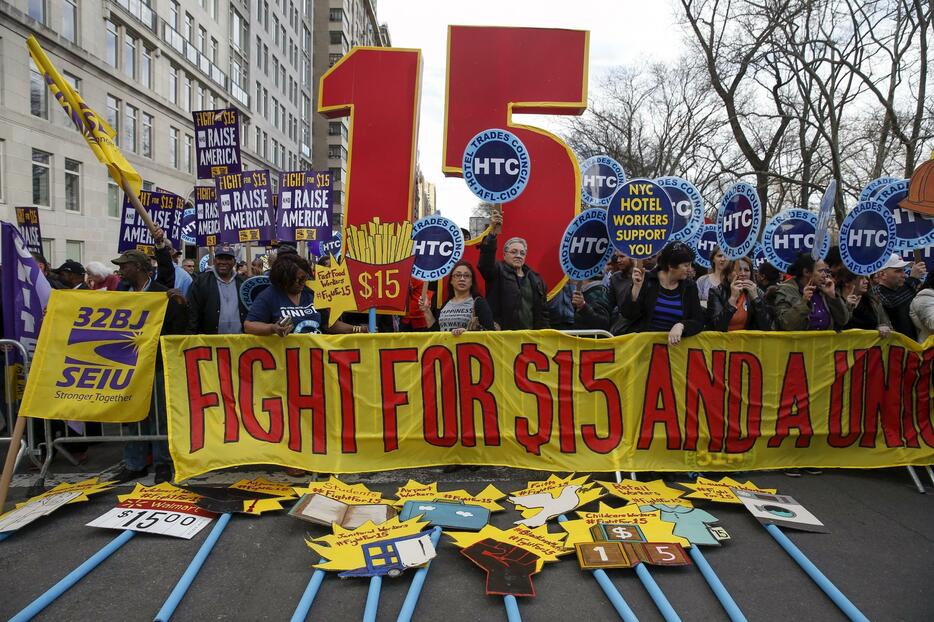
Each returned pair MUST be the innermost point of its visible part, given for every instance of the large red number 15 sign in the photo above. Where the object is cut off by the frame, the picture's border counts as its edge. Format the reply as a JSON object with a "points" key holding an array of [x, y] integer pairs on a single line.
{"points": [[492, 73]]}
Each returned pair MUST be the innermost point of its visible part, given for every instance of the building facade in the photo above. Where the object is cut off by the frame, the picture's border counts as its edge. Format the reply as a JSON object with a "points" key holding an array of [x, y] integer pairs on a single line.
{"points": [[339, 25], [144, 65]]}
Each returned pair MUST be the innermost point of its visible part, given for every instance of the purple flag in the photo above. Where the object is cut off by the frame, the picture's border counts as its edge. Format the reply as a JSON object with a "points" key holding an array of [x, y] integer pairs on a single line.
{"points": [[25, 290]]}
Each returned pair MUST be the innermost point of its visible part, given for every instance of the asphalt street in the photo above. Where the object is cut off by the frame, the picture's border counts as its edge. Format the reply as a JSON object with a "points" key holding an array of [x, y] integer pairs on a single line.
{"points": [[879, 552]]}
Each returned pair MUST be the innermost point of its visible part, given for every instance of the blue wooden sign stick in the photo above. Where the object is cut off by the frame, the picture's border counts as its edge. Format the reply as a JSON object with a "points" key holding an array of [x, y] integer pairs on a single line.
{"points": [[308, 597], [415, 589], [372, 599], [181, 588], [5, 535], [838, 598], [36, 606], [732, 609], [512, 608], [612, 593], [372, 322], [667, 611]]}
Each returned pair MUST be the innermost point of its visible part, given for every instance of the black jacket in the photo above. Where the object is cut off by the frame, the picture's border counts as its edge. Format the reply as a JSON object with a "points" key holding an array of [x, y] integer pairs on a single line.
{"points": [[502, 290], [640, 311], [204, 303], [720, 311]]}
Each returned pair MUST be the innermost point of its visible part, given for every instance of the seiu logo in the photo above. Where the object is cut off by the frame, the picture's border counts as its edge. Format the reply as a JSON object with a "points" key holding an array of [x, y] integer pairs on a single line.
{"points": [[103, 347]]}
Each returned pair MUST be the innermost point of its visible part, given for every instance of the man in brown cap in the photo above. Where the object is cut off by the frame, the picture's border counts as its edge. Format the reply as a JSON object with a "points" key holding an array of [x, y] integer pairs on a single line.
{"points": [[134, 270]]}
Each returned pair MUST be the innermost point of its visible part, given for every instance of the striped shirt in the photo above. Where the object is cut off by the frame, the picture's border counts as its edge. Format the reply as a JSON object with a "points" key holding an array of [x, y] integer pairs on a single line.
{"points": [[668, 311]]}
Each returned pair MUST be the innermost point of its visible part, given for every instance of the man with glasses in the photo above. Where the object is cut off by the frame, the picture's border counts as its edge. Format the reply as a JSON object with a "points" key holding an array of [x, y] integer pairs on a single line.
{"points": [[896, 290], [515, 292]]}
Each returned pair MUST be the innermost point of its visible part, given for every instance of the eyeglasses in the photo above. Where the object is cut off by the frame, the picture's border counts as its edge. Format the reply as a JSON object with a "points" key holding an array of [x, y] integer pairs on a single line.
{"points": [[461, 275], [516, 251], [824, 270]]}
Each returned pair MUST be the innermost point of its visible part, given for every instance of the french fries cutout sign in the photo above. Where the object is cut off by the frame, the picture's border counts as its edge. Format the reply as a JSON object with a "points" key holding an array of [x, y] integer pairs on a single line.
{"points": [[375, 272], [510, 557]]}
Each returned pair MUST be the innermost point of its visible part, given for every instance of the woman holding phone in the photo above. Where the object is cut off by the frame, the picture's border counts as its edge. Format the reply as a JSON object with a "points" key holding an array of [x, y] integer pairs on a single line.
{"points": [[737, 303], [465, 308]]}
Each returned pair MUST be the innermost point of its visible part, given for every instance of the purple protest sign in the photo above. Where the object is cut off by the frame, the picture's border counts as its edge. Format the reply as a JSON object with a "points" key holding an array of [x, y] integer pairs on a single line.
{"points": [[245, 207], [305, 206], [165, 209], [28, 220], [24, 288], [217, 142], [208, 224]]}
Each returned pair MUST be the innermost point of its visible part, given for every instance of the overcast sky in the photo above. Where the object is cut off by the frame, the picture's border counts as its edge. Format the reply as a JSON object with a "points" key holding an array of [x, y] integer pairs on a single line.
{"points": [[622, 32]]}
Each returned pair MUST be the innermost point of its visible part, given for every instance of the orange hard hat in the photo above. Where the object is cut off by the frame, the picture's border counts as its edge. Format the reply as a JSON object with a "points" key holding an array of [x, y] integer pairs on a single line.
{"points": [[921, 190]]}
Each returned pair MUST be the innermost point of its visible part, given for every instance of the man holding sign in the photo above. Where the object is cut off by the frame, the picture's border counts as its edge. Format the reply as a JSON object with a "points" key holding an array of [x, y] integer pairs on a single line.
{"points": [[516, 293]]}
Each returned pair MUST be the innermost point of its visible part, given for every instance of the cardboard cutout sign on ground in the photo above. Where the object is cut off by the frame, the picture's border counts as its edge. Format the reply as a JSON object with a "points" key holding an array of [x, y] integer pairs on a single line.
{"points": [[722, 491], [510, 557], [543, 500], [438, 245], [353, 494], [414, 491], [161, 509], [645, 493], [739, 220], [592, 555], [585, 246], [496, 165], [781, 510], [690, 523], [639, 219], [601, 177], [44, 504], [350, 550], [912, 230], [253, 496], [326, 511], [448, 514], [627, 523], [688, 208]]}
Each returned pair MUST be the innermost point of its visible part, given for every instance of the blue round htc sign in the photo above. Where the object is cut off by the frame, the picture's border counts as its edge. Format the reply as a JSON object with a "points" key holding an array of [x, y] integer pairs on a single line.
{"points": [[739, 221], [189, 226], [688, 207], [758, 255], [788, 234], [867, 238], [496, 166], [438, 244], [203, 264], [872, 188], [252, 288], [585, 247], [912, 230], [638, 219], [705, 243], [601, 177], [321, 248]]}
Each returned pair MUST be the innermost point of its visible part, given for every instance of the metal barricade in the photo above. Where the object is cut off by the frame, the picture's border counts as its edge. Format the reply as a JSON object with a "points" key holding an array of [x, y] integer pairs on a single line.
{"points": [[15, 369]]}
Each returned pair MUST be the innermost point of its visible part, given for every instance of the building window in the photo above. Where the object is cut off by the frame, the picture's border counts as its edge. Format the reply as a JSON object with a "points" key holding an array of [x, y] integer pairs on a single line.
{"points": [[275, 70], [200, 100], [336, 15], [37, 10], [38, 93], [238, 31], [186, 93], [148, 186], [334, 151], [113, 116], [111, 43], [173, 14], [334, 128], [189, 148], [41, 173], [74, 249], [130, 129], [189, 28], [147, 135], [173, 84], [129, 56], [173, 147], [337, 37], [70, 20], [113, 200], [145, 67], [48, 248], [336, 174], [257, 139], [333, 58], [202, 40], [72, 185]]}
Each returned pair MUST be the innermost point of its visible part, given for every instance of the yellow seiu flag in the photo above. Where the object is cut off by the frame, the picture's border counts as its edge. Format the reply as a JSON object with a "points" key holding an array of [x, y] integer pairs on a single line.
{"points": [[95, 357], [100, 136]]}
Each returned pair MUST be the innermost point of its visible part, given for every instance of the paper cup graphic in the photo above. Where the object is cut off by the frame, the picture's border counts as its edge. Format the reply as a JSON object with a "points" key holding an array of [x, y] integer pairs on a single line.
{"points": [[384, 286]]}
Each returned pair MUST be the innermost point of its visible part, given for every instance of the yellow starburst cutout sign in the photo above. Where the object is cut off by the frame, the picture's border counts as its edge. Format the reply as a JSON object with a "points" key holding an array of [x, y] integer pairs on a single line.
{"points": [[280, 492], [344, 549], [547, 547], [649, 524], [351, 494], [542, 500], [720, 492], [415, 491], [645, 493]]}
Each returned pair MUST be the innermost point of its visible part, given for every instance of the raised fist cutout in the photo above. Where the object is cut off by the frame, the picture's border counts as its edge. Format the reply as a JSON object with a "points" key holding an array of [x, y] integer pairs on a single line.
{"points": [[509, 568]]}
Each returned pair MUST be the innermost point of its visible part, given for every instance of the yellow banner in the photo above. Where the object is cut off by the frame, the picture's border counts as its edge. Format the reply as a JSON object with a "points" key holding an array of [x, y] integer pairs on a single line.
{"points": [[544, 400], [95, 356], [101, 138]]}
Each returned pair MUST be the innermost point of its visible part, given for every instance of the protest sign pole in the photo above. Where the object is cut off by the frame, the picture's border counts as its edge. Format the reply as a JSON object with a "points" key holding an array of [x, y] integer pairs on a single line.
{"points": [[372, 599], [732, 609], [612, 593], [16, 440], [838, 598], [371, 324], [308, 597], [415, 589], [181, 588], [134, 201], [512, 608], [658, 597], [35, 607]]}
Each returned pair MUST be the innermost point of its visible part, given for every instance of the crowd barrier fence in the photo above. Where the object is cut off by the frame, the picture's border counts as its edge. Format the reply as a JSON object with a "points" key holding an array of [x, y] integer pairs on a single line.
{"points": [[15, 368]]}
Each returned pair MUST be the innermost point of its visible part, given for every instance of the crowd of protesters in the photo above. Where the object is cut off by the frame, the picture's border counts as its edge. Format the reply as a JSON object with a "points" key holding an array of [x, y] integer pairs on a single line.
{"points": [[669, 294]]}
